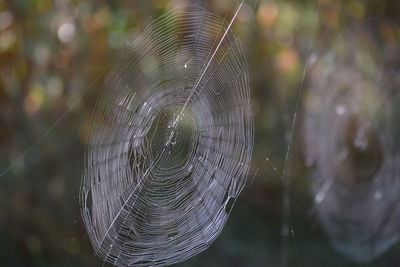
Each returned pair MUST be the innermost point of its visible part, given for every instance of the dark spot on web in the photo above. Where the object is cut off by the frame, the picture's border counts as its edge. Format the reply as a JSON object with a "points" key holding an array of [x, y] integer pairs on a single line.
{"points": [[172, 235]]}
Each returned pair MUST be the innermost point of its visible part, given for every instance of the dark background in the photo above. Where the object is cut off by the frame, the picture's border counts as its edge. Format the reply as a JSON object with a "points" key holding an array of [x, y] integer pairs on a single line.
{"points": [[53, 57]]}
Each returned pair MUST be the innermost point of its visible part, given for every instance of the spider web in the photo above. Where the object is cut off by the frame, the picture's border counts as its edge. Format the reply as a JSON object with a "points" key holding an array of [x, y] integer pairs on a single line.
{"points": [[170, 142], [350, 136], [172, 132]]}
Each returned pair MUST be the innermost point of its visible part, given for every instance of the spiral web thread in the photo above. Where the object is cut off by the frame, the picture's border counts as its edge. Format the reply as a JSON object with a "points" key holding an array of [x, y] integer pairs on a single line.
{"points": [[170, 142]]}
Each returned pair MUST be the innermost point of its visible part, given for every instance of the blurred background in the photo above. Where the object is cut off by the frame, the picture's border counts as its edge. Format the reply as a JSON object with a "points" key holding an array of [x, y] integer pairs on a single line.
{"points": [[54, 55]]}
